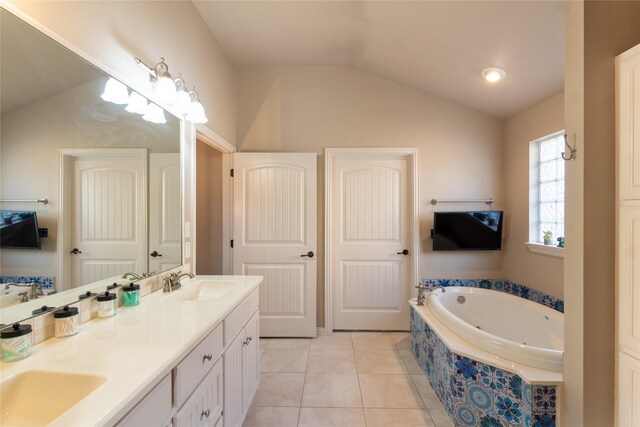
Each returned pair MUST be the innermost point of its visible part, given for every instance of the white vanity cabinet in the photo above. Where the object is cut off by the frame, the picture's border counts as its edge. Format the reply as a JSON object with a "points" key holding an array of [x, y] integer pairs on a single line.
{"points": [[214, 384]]}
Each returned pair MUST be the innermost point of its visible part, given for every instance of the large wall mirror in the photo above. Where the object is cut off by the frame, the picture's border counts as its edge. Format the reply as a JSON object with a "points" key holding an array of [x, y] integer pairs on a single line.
{"points": [[109, 169]]}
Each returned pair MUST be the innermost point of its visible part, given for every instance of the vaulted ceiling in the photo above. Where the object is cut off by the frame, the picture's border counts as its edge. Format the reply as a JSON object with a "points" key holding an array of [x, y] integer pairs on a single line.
{"points": [[439, 47]]}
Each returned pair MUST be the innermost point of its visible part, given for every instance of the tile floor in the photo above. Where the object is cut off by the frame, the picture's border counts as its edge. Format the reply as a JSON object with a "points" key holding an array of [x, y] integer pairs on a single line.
{"points": [[345, 379]]}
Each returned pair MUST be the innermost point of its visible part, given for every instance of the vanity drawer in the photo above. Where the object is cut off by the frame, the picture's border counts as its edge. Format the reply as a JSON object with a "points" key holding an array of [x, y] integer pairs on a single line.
{"points": [[195, 366], [204, 407], [153, 410], [234, 322]]}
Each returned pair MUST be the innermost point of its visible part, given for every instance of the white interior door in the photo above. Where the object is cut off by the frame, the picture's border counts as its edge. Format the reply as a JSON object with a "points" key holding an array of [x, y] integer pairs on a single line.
{"points": [[108, 226], [165, 206], [371, 266], [275, 237]]}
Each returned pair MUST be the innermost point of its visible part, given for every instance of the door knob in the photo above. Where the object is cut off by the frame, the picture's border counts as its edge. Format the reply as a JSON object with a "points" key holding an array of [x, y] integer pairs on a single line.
{"points": [[155, 254], [309, 254], [404, 252], [75, 251]]}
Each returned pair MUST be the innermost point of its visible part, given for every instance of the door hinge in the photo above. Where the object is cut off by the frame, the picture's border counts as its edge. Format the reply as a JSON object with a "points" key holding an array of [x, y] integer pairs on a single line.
{"points": [[231, 242], [231, 173]]}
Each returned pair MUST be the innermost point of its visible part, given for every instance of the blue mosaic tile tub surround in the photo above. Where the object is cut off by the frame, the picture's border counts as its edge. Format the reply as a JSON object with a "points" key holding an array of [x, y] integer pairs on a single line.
{"points": [[45, 281], [506, 286], [477, 394]]}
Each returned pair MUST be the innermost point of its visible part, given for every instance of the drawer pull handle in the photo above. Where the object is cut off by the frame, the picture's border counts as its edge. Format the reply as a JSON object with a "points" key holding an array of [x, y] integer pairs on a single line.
{"points": [[205, 414], [249, 339], [245, 342], [207, 357]]}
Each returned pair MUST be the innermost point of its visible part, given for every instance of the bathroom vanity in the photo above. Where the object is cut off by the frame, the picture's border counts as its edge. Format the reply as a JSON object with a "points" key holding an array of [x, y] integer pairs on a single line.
{"points": [[185, 358]]}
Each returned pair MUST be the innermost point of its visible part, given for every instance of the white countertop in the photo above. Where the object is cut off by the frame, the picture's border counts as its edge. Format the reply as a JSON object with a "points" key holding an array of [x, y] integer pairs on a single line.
{"points": [[134, 350]]}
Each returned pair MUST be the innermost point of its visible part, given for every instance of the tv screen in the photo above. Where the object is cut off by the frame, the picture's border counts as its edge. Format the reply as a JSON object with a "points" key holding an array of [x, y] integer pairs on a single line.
{"points": [[19, 230], [467, 231]]}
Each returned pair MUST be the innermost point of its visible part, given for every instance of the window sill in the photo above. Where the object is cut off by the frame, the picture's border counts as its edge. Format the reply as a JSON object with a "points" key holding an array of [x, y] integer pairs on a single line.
{"points": [[539, 248]]}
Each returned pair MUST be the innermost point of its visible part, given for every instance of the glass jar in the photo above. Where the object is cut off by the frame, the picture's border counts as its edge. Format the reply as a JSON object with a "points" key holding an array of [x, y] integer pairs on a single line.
{"points": [[15, 342], [107, 304], [67, 321], [131, 295]]}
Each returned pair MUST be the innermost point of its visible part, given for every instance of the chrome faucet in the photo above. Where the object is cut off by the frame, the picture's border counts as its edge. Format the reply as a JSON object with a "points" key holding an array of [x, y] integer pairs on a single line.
{"points": [[172, 281], [422, 288], [35, 290]]}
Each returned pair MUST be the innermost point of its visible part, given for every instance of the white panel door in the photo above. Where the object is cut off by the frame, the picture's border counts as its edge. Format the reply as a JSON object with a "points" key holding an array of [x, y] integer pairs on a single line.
{"points": [[275, 237], [165, 207], [628, 99], [628, 390], [108, 235], [370, 274]]}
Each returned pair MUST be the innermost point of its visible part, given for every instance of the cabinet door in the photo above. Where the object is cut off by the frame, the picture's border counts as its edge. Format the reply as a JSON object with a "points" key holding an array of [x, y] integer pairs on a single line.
{"points": [[250, 360], [628, 136], [628, 259], [233, 395], [204, 407]]}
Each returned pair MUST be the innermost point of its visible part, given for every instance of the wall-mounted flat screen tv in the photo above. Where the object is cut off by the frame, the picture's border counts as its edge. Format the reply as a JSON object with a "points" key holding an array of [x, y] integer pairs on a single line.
{"points": [[467, 231], [19, 230]]}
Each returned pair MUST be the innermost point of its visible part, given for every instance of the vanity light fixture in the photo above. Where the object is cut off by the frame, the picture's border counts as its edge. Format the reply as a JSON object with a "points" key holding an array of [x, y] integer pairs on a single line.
{"points": [[174, 92], [154, 114], [493, 74], [137, 103], [115, 92]]}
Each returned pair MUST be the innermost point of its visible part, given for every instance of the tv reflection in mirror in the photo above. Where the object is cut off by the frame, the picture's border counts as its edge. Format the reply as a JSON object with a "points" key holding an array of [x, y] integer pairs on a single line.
{"points": [[467, 231], [19, 230]]}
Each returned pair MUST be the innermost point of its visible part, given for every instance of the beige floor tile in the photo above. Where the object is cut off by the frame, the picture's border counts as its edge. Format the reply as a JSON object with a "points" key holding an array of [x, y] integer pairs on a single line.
{"points": [[389, 391], [264, 342], [289, 343], [258, 416], [410, 362], [398, 418], [284, 360], [372, 340], [379, 362], [402, 340], [331, 361], [429, 397], [262, 350], [335, 340], [279, 390], [334, 417], [331, 390], [440, 418]]}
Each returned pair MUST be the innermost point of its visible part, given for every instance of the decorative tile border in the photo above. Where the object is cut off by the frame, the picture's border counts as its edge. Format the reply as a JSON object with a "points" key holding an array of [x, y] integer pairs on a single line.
{"points": [[507, 286], [478, 394], [45, 281]]}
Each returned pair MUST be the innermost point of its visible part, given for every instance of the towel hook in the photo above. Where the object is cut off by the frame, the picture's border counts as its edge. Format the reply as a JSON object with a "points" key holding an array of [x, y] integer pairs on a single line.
{"points": [[572, 150]]}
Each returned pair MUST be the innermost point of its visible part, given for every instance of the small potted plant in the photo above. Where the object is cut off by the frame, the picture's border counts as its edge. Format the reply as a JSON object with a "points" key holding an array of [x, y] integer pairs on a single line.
{"points": [[547, 236]]}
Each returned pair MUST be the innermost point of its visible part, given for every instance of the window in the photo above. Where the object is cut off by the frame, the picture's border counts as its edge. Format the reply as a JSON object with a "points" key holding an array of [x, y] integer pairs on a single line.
{"points": [[546, 209]]}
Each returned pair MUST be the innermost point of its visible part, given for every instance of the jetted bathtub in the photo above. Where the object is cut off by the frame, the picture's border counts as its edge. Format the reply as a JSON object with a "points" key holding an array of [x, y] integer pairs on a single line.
{"points": [[507, 326]]}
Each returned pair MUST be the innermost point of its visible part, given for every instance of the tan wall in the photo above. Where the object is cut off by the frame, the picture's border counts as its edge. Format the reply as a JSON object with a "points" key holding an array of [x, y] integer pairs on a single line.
{"points": [[541, 272], [309, 109], [610, 28], [208, 209], [113, 32]]}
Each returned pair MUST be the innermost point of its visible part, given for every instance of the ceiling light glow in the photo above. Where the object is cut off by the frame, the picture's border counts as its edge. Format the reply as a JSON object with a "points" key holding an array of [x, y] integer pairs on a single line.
{"points": [[493, 74]]}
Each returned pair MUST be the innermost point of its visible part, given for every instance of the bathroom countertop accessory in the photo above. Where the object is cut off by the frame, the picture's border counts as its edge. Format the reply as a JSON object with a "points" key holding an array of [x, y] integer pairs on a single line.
{"points": [[67, 321], [16, 342], [131, 295], [107, 304]]}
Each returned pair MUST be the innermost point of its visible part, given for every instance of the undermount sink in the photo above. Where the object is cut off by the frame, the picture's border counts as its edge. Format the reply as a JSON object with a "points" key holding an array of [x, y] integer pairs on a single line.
{"points": [[205, 290], [36, 398]]}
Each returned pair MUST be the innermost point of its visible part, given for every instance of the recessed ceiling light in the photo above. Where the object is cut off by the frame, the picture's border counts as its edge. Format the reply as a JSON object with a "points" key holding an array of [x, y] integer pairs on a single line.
{"points": [[493, 74]]}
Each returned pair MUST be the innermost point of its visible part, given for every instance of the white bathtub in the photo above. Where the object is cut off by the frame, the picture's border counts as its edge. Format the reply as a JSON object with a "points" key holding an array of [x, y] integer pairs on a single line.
{"points": [[507, 326]]}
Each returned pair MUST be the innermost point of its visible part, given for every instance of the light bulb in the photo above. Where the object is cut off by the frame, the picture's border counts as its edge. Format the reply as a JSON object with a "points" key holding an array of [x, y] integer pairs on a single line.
{"points": [[137, 104], [154, 114], [493, 74], [183, 102], [196, 113], [166, 90], [115, 92]]}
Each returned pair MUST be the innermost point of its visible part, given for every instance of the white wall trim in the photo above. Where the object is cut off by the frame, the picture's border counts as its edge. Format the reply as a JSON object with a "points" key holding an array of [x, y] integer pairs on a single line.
{"points": [[216, 141], [539, 248], [414, 209]]}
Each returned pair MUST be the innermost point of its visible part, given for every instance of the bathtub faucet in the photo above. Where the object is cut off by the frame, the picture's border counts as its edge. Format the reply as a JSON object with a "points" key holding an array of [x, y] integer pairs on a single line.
{"points": [[422, 288]]}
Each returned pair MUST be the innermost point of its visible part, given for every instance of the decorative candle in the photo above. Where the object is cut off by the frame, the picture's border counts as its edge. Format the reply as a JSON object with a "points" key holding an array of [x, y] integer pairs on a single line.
{"points": [[107, 304], [16, 342], [131, 295], [67, 321]]}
